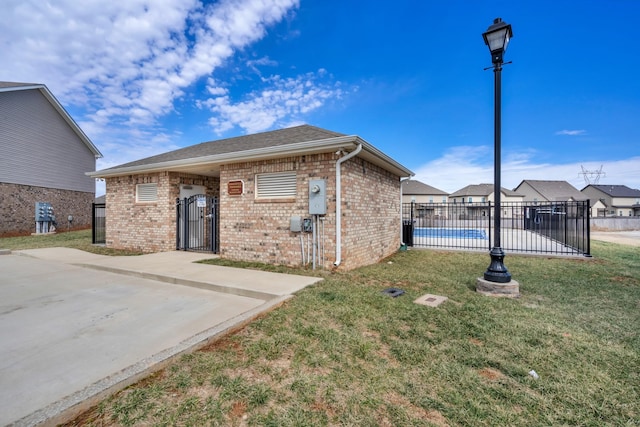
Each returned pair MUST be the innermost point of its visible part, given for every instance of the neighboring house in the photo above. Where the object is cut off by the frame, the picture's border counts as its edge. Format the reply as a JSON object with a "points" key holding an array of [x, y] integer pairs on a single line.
{"points": [[618, 200], [419, 192], [427, 200], [599, 208], [44, 156], [475, 199], [538, 191], [265, 183]]}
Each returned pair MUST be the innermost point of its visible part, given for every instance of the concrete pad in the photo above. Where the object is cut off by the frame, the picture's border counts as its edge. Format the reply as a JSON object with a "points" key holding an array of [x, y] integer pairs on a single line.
{"points": [[510, 289], [70, 333], [430, 300]]}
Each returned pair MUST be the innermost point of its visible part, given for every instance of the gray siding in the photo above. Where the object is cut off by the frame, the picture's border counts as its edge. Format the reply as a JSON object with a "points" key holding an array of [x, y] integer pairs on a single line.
{"points": [[38, 147]]}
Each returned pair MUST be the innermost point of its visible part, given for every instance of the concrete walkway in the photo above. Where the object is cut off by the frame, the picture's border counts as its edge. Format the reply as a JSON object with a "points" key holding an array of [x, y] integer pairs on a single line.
{"points": [[75, 326]]}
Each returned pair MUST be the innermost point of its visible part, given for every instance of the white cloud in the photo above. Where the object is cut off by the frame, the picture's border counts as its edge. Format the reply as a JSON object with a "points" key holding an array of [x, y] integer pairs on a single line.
{"points": [[462, 166], [284, 100], [126, 62], [576, 132]]}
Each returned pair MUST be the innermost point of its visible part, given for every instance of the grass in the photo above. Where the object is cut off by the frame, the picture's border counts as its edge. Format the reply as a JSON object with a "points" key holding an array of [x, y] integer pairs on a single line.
{"points": [[341, 353], [73, 239]]}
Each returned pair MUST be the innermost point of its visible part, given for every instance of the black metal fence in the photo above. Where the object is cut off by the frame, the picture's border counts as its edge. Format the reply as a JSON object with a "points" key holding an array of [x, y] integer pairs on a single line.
{"points": [[98, 223], [197, 224], [543, 228]]}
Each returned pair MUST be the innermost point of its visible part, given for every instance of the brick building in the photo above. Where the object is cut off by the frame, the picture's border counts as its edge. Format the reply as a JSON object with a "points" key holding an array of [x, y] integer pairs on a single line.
{"points": [[44, 156], [267, 184]]}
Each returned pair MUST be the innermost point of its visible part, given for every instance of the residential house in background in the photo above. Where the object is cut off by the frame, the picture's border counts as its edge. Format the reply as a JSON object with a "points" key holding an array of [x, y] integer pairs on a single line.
{"points": [[44, 156], [419, 192], [275, 192], [540, 191], [616, 200], [473, 200], [425, 200]]}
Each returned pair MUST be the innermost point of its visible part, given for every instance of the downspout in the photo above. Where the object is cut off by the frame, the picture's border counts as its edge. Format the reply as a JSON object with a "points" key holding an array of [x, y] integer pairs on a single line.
{"points": [[339, 203]]}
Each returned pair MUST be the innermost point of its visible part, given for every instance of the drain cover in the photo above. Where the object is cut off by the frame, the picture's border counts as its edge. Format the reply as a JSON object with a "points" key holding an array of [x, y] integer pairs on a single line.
{"points": [[430, 300], [393, 292]]}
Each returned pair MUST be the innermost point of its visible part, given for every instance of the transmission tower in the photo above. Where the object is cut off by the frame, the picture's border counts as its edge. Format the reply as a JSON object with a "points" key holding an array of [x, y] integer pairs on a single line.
{"points": [[592, 176]]}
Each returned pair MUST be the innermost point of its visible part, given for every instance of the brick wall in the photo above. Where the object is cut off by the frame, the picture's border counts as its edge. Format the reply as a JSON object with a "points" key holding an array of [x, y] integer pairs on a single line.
{"points": [[257, 230], [17, 208], [370, 213], [147, 227]]}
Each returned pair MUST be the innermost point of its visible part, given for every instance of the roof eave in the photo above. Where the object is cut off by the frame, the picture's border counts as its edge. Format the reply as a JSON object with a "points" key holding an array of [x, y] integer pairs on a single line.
{"points": [[300, 148]]}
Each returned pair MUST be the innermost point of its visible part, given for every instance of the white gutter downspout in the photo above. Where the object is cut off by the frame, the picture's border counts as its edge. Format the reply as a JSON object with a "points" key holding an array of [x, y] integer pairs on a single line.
{"points": [[339, 203]]}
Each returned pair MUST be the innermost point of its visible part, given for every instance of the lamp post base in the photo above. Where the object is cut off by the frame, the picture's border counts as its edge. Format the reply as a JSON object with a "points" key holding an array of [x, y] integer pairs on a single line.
{"points": [[497, 271], [510, 289], [497, 279]]}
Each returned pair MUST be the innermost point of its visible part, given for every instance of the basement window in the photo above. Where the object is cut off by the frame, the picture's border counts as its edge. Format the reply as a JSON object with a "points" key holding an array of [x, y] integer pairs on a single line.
{"points": [[146, 193], [280, 185]]}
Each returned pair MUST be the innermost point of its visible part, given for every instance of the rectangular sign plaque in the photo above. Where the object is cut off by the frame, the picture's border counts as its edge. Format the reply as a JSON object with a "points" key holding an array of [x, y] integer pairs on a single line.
{"points": [[235, 188]]}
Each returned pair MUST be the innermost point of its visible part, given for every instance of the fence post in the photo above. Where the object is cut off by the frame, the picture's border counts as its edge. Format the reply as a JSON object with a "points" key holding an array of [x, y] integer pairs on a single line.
{"points": [[490, 233], [588, 224]]}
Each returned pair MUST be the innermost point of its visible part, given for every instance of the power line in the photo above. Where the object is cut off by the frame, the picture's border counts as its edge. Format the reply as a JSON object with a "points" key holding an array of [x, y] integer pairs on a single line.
{"points": [[592, 176]]}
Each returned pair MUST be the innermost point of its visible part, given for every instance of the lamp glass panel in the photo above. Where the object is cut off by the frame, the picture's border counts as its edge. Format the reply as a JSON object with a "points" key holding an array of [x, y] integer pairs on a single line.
{"points": [[497, 40]]}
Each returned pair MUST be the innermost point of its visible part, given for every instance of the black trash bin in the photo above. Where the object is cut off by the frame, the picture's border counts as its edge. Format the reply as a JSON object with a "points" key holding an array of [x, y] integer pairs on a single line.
{"points": [[407, 232]]}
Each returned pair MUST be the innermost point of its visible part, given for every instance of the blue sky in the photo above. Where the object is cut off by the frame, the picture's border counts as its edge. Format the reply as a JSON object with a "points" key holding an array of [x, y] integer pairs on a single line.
{"points": [[143, 77]]}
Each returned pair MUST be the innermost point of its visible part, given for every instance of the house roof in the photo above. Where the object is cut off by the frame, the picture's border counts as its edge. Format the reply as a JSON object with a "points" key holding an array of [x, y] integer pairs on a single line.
{"points": [[554, 190], [205, 158], [482, 190], [413, 187], [615, 190], [15, 86]]}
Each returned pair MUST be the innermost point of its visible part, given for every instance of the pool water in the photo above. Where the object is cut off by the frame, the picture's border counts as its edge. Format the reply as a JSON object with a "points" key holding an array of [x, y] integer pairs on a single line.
{"points": [[458, 233]]}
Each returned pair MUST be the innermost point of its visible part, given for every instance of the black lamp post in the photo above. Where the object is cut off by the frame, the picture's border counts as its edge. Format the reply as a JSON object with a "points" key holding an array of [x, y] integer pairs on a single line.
{"points": [[497, 38]]}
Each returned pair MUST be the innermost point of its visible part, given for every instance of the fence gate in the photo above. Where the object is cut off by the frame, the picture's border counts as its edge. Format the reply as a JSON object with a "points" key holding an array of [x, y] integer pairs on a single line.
{"points": [[197, 224], [98, 223]]}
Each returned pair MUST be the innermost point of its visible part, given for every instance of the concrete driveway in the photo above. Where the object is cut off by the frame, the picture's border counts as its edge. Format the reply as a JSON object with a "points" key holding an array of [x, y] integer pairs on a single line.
{"points": [[72, 330]]}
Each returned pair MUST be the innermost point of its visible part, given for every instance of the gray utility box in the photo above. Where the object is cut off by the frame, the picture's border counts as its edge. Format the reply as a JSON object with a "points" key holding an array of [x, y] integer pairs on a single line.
{"points": [[317, 197], [44, 212]]}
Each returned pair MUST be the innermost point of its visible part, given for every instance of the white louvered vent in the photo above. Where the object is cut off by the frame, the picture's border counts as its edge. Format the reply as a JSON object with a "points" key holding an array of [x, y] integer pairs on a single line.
{"points": [[146, 193], [276, 185]]}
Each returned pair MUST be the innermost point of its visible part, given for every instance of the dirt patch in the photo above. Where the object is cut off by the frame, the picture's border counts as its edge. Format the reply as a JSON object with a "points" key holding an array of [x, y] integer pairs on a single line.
{"points": [[490, 374], [631, 238]]}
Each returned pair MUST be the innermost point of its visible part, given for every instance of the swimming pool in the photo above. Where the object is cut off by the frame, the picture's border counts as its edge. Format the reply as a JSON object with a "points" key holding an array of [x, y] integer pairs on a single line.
{"points": [[457, 233]]}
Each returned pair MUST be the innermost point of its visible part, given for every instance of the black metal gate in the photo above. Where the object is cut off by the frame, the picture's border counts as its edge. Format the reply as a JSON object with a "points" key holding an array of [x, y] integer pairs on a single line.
{"points": [[98, 223], [197, 224]]}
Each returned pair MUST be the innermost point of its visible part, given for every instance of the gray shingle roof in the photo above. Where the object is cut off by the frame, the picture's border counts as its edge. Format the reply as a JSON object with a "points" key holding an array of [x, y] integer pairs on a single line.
{"points": [[274, 138], [413, 187], [554, 190], [481, 190], [616, 190]]}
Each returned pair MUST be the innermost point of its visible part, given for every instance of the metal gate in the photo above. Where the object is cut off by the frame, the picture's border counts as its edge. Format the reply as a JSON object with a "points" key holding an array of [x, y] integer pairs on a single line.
{"points": [[197, 224], [98, 223]]}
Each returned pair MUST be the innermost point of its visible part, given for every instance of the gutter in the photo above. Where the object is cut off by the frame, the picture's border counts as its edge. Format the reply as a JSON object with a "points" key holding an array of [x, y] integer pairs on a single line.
{"points": [[339, 203]]}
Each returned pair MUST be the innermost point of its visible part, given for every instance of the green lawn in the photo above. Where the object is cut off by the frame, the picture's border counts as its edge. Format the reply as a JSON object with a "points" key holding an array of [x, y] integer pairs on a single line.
{"points": [[341, 353], [74, 239]]}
